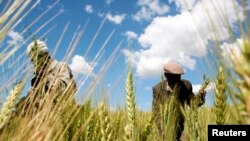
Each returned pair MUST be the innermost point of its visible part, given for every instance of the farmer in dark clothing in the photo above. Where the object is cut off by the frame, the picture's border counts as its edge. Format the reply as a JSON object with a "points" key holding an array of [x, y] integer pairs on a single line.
{"points": [[162, 90]]}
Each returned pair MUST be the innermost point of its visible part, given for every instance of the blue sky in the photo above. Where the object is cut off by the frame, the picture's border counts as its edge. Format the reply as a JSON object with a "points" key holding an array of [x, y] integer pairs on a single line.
{"points": [[156, 31]]}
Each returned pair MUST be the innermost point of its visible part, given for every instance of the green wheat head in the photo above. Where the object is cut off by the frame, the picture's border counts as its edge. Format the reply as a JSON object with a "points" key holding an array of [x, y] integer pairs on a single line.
{"points": [[241, 64], [129, 128], [220, 97]]}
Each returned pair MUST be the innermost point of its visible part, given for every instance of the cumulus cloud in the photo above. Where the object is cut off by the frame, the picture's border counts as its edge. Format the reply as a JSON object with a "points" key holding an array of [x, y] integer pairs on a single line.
{"points": [[88, 8], [209, 88], [149, 9], [100, 14], [130, 35], [227, 48], [108, 2], [15, 38], [116, 19], [183, 37], [184, 4], [79, 65]]}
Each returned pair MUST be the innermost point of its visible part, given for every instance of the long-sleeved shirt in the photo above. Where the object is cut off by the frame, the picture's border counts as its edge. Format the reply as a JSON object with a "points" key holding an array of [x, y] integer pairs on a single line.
{"points": [[56, 81], [161, 93]]}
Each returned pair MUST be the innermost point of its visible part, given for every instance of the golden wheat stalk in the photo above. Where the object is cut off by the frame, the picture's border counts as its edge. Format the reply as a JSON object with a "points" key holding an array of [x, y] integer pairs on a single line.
{"points": [[96, 134], [14, 8], [191, 120], [4, 18], [117, 125], [105, 123], [10, 103], [146, 133], [190, 113]]}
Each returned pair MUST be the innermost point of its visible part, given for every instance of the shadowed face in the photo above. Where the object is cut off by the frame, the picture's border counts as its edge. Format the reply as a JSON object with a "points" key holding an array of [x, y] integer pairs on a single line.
{"points": [[37, 55], [172, 78], [38, 60]]}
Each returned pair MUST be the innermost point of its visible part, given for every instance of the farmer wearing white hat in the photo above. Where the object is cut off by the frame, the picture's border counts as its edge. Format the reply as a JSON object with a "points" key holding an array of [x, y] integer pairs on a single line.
{"points": [[162, 90], [52, 78]]}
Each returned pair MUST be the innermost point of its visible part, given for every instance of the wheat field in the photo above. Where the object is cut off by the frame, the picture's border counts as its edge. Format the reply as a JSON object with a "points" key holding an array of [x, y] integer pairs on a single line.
{"points": [[69, 121]]}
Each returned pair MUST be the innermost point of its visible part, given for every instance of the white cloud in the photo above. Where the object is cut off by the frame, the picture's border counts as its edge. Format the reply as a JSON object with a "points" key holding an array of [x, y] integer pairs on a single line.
{"points": [[100, 14], [116, 19], [209, 88], [227, 48], [108, 2], [149, 9], [184, 4], [88, 8], [80, 66], [131, 35], [15, 38], [143, 14], [183, 37]]}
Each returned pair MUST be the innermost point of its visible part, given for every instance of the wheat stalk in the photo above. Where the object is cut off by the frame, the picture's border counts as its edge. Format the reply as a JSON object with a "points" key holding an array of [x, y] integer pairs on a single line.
{"points": [[220, 97], [171, 116], [117, 125], [105, 123], [129, 128], [96, 135], [10, 103], [148, 129], [242, 68]]}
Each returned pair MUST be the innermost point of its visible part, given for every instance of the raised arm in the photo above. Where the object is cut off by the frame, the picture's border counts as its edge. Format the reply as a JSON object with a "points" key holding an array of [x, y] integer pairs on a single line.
{"points": [[199, 98]]}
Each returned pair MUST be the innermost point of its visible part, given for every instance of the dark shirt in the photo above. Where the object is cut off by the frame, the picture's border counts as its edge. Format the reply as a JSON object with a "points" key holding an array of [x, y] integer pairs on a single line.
{"points": [[161, 94]]}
